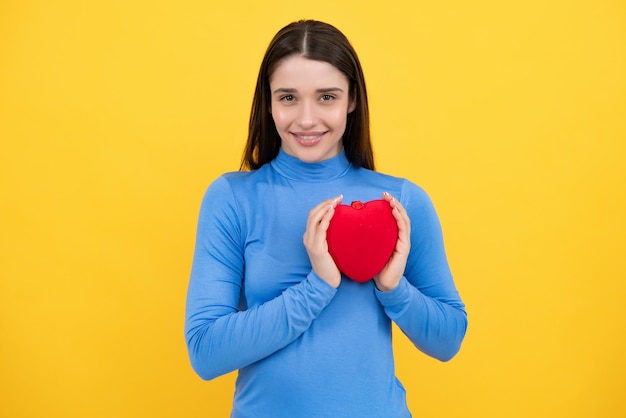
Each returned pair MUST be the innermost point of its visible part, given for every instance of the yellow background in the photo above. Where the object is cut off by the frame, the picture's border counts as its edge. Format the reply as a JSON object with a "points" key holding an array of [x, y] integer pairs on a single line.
{"points": [[115, 116]]}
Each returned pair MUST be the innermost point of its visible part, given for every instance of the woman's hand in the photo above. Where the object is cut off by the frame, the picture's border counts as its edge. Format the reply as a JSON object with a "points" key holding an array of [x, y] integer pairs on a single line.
{"points": [[315, 241], [389, 278]]}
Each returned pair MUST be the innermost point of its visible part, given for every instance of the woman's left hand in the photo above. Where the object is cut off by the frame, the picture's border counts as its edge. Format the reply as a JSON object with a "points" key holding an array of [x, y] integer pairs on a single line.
{"points": [[390, 276]]}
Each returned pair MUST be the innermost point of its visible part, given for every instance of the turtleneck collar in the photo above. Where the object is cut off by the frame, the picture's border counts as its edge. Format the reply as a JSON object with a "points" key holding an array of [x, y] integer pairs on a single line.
{"points": [[295, 169]]}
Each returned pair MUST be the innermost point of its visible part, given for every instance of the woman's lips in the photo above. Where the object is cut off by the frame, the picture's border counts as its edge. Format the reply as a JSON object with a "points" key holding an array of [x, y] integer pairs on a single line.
{"points": [[308, 139]]}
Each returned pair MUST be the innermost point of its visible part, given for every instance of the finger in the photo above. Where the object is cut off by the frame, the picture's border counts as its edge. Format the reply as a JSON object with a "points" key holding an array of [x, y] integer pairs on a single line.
{"points": [[401, 216], [397, 209], [319, 220], [318, 212], [326, 218]]}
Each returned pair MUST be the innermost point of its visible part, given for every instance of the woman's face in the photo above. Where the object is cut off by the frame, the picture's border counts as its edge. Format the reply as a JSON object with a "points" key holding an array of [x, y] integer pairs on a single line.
{"points": [[310, 103]]}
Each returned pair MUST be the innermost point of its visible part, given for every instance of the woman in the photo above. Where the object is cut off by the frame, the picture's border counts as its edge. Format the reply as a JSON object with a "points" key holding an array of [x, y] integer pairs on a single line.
{"points": [[265, 296]]}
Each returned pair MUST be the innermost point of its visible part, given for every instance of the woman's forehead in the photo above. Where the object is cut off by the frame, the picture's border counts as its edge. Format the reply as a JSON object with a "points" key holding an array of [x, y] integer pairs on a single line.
{"points": [[300, 71]]}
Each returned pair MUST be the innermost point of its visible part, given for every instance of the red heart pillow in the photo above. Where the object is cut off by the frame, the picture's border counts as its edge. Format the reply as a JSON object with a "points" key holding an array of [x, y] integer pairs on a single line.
{"points": [[361, 238]]}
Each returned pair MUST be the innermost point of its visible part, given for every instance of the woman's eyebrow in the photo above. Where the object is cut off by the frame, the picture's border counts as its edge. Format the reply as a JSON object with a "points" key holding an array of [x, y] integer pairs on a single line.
{"points": [[285, 90], [323, 90], [329, 90]]}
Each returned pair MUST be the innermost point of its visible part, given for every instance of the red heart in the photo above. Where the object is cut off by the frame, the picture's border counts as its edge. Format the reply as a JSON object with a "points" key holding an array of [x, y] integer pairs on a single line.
{"points": [[361, 238]]}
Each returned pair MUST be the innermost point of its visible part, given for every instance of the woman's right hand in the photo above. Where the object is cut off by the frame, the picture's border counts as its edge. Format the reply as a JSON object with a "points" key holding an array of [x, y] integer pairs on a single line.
{"points": [[315, 241]]}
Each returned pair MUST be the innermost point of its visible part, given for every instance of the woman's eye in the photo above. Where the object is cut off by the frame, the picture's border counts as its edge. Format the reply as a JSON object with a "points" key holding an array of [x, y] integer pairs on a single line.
{"points": [[327, 97], [287, 98]]}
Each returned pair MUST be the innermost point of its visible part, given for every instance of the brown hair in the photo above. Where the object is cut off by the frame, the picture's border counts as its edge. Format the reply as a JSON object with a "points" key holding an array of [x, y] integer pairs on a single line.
{"points": [[320, 42]]}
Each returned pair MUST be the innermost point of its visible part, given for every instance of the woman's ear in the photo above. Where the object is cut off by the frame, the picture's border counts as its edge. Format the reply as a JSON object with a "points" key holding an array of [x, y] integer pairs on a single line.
{"points": [[352, 106]]}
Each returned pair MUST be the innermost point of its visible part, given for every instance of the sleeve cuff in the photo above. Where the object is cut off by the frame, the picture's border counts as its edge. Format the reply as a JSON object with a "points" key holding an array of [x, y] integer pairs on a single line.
{"points": [[396, 301], [320, 285]]}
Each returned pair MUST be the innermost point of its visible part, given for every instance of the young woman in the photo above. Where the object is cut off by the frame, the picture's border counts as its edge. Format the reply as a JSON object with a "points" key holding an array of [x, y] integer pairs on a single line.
{"points": [[265, 296]]}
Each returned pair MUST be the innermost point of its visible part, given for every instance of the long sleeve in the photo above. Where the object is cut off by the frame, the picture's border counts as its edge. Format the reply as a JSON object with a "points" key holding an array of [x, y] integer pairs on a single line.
{"points": [[426, 305], [221, 334], [254, 304]]}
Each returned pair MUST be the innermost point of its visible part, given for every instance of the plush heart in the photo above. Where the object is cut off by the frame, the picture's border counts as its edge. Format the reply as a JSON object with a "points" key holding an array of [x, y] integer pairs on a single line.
{"points": [[361, 238]]}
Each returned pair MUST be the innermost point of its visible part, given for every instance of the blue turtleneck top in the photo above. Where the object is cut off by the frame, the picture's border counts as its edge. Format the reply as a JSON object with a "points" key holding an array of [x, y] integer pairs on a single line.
{"points": [[303, 348]]}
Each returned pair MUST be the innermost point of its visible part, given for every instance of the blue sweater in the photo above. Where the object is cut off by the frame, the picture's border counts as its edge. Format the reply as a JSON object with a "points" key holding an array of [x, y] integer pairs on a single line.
{"points": [[303, 348]]}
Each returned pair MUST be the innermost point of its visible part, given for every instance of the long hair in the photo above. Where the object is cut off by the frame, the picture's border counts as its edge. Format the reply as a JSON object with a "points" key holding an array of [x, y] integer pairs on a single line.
{"points": [[317, 41]]}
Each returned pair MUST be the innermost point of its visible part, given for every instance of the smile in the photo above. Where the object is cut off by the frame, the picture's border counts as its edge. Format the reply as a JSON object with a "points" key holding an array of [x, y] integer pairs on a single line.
{"points": [[308, 139]]}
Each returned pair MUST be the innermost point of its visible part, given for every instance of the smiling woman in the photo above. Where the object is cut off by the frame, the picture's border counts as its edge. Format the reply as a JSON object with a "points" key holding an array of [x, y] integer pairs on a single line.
{"points": [[310, 106], [327, 46], [266, 297]]}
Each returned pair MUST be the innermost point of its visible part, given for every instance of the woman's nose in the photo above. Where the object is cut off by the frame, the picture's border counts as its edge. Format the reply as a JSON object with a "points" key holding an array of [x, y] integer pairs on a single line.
{"points": [[306, 114]]}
